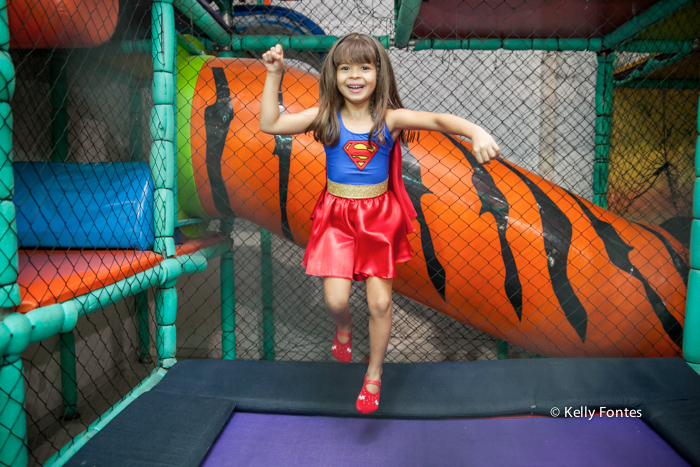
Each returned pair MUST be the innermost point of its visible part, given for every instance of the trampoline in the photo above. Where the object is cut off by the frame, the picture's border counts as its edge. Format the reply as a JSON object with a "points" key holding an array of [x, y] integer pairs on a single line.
{"points": [[229, 413]]}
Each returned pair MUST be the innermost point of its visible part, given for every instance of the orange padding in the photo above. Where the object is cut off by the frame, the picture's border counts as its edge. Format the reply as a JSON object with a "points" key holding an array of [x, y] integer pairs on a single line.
{"points": [[53, 276], [193, 245], [47, 24]]}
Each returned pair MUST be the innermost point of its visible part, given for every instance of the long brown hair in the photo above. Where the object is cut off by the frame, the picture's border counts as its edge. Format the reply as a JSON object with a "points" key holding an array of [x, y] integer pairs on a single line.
{"points": [[355, 48]]}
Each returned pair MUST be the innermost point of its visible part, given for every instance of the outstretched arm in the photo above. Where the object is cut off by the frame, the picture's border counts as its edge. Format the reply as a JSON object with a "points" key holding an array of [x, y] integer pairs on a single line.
{"points": [[270, 119], [484, 147]]}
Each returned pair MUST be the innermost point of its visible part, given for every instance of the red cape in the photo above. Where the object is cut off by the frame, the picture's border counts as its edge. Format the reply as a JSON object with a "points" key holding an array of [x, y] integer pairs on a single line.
{"points": [[396, 185]]}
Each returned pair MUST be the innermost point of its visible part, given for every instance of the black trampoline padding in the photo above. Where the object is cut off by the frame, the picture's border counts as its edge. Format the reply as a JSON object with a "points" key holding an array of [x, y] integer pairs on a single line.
{"points": [[437, 390], [176, 422], [157, 429], [678, 422]]}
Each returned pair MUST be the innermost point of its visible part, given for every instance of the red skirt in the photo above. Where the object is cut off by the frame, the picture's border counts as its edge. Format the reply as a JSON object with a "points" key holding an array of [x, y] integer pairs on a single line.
{"points": [[357, 238]]}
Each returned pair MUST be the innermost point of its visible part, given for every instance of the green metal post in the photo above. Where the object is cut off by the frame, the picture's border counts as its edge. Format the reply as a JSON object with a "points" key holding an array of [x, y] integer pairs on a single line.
{"points": [[501, 349], [691, 330], [268, 323], [405, 19], [59, 153], [656, 13], [141, 301], [59, 105], [136, 132], [69, 376], [228, 300], [201, 17], [141, 298], [228, 307], [603, 125]]}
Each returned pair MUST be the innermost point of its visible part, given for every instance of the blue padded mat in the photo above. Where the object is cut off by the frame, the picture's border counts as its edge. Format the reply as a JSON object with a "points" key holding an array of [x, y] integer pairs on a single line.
{"points": [[106, 205]]}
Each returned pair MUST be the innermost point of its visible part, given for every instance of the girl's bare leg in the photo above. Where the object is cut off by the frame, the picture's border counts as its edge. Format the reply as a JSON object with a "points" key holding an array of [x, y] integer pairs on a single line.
{"points": [[379, 302], [336, 292]]}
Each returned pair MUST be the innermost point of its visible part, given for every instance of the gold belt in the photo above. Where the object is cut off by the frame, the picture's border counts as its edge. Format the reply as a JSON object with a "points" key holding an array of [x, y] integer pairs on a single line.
{"points": [[357, 191]]}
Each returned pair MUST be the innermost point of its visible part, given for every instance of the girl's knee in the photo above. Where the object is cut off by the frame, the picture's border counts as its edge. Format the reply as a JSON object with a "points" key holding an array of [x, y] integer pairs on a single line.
{"points": [[336, 305], [379, 306]]}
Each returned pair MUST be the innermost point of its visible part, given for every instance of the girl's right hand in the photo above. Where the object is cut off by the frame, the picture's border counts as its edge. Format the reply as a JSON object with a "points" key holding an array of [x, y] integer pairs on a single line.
{"points": [[274, 59]]}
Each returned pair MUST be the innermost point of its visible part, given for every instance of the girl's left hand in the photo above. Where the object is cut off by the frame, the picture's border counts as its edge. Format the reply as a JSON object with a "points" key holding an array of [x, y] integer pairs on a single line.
{"points": [[484, 147]]}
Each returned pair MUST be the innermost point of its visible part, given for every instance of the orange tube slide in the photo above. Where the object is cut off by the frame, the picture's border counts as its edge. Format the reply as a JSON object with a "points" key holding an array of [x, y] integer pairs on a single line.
{"points": [[497, 247], [45, 24]]}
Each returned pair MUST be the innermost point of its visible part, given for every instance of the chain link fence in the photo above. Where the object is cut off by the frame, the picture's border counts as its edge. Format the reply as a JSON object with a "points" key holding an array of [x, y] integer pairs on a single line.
{"points": [[81, 134]]}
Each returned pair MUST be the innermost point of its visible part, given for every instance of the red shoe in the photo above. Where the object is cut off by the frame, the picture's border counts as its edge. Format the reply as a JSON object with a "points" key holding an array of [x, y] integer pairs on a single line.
{"points": [[366, 401], [342, 352]]}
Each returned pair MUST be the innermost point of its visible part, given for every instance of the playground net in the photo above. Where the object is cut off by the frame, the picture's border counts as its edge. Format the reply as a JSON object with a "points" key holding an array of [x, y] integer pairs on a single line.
{"points": [[82, 140]]}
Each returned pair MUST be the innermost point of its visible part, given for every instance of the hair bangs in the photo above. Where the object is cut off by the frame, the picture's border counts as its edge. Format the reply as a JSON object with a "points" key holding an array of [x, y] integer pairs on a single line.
{"points": [[355, 50]]}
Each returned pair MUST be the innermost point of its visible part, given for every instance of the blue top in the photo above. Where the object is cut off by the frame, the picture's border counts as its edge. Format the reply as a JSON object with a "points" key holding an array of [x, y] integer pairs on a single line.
{"points": [[352, 162]]}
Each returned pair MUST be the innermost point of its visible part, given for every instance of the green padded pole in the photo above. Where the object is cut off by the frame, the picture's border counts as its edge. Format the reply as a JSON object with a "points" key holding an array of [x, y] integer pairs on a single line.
{"points": [[59, 106], [162, 161], [166, 311], [309, 43], [603, 124], [18, 330], [268, 323], [13, 423], [405, 19], [691, 330], [69, 376], [162, 126], [9, 290], [15, 332]]}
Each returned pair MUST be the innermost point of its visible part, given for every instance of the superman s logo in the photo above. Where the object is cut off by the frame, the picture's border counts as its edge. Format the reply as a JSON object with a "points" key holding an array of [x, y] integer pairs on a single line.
{"points": [[360, 153]]}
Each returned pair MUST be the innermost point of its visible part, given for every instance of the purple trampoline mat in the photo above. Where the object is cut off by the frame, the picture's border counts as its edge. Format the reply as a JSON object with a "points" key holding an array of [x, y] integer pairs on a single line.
{"points": [[288, 440]]}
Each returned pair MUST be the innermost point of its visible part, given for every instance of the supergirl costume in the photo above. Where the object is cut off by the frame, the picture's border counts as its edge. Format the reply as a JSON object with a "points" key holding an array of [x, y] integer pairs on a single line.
{"points": [[362, 217]]}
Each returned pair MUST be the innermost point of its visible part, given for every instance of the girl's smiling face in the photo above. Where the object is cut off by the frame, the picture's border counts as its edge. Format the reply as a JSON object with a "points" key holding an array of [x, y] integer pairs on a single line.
{"points": [[356, 82]]}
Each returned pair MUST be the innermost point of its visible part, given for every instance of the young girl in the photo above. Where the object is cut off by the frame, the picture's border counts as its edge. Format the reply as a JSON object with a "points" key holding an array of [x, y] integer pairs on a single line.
{"points": [[362, 217]]}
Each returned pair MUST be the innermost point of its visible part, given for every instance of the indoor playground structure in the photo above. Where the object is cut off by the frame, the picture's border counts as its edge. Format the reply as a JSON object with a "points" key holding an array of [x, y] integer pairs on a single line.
{"points": [[155, 310]]}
